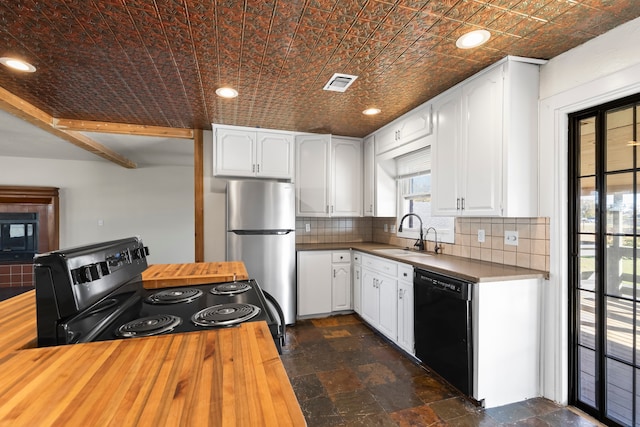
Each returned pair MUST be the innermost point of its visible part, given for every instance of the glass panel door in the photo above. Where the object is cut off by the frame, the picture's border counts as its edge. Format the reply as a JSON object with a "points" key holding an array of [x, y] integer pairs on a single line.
{"points": [[604, 266]]}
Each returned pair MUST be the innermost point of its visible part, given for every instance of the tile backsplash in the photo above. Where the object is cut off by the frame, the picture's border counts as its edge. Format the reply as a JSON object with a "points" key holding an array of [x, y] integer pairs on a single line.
{"points": [[532, 250], [333, 230]]}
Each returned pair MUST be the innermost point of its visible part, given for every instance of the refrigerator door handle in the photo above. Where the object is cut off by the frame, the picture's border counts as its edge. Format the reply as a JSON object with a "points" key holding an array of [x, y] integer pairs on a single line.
{"points": [[261, 232]]}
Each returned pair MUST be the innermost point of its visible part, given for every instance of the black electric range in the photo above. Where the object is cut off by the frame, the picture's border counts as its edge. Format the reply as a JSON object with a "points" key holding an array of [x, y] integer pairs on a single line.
{"points": [[95, 293]]}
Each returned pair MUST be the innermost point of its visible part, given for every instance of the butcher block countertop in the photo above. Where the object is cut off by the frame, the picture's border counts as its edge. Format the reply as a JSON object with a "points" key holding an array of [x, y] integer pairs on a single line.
{"points": [[464, 268], [170, 275], [222, 377]]}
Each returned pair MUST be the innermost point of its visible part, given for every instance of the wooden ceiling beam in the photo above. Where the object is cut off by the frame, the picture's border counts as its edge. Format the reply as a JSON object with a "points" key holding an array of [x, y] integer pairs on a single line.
{"points": [[32, 114], [122, 128]]}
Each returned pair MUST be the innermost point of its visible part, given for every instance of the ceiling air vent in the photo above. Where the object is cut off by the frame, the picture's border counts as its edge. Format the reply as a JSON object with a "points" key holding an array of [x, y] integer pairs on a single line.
{"points": [[339, 82]]}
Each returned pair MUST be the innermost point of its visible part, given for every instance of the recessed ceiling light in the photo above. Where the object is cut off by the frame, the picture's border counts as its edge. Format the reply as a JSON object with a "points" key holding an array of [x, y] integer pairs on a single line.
{"points": [[17, 64], [473, 39], [371, 111], [226, 92]]}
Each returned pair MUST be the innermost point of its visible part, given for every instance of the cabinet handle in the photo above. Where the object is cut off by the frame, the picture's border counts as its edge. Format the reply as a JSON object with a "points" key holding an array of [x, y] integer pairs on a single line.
{"points": [[253, 168], [399, 293], [399, 135], [331, 208], [357, 274], [334, 272], [370, 208], [258, 168], [458, 204], [463, 203], [327, 208]]}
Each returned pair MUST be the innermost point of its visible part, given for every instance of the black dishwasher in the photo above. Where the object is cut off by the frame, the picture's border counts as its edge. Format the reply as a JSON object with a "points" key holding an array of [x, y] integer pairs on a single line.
{"points": [[443, 334]]}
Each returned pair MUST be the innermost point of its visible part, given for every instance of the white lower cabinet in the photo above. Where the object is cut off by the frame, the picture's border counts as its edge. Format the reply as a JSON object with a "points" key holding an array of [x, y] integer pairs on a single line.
{"points": [[356, 281], [387, 299], [324, 282], [506, 341], [314, 282], [340, 281], [405, 308]]}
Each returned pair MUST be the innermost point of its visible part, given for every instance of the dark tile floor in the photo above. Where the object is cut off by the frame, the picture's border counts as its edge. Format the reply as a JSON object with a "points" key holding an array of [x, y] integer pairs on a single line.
{"points": [[344, 374]]}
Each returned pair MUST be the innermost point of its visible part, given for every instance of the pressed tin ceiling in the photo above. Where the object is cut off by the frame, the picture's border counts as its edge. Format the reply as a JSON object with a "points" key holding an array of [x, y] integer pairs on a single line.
{"points": [[159, 62]]}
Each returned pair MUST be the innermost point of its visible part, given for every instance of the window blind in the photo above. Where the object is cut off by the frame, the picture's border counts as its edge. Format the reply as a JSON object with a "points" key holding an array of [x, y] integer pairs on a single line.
{"points": [[413, 164]]}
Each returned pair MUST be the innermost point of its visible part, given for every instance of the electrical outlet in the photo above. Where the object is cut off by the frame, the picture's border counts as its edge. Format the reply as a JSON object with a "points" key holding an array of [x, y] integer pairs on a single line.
{"points": [[481, 236], [511, 238], [307, 228], [386, 228]]}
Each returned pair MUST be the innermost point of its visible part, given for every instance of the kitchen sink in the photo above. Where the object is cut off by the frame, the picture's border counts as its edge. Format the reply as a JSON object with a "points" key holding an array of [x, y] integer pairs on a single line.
{"points": [[397, 252]]}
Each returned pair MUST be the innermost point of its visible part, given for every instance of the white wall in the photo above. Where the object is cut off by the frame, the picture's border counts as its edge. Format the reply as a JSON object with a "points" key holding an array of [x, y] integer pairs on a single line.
{"points": [[155, 203], [604, 69], [214, 206]]}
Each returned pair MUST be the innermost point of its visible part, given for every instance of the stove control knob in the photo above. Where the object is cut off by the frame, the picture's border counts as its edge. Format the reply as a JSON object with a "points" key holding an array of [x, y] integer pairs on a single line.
{"points": [[103, 268]]}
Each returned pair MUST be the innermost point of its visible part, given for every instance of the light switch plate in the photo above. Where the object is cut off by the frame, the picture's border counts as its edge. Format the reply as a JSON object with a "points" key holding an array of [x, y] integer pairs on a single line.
{"points": [[386, 228], [481, 236], [511, 238], [307, 228]]}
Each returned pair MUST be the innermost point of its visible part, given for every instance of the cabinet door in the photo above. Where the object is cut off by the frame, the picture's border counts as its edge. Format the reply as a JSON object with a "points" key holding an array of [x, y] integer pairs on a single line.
{"points": [[314, 282], [405, 316], [357, 289], [341, 287], [346, 177], [312, 175], [370, 297], [235, 152], [482, 102], [388, 289], [369, 175], [274, 155], [386, 138], [416, 125], [446, 156]]}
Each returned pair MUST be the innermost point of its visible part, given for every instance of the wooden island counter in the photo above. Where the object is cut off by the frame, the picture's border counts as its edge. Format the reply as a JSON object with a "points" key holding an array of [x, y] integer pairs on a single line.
{"points": [[221, 377]]}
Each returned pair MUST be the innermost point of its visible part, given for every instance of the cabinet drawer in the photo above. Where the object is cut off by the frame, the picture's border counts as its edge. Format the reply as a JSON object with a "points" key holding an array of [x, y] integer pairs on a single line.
{"points": [[405, 272], [380, 264], [340, 257], [357, 258]]}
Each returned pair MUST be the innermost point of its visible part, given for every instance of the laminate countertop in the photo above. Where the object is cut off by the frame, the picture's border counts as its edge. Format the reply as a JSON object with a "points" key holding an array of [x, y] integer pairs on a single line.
{"points": [[221, 377], [463, 268]]}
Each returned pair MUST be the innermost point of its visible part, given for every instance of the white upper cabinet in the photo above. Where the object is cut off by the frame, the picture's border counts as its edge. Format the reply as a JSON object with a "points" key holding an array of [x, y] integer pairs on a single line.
{"points": [[369, 164], [346, 177], [243, 152], [413, 125], [274, 152], [328, 176], [485, 150]]}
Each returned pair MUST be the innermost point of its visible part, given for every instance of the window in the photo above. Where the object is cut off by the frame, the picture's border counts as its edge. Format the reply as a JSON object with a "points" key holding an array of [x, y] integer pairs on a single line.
{"points": [[604, 267], [413, 172]]}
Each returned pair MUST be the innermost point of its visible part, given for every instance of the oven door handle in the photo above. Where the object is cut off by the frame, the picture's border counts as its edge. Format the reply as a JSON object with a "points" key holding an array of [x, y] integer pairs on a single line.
{"points": [[282, 334]]}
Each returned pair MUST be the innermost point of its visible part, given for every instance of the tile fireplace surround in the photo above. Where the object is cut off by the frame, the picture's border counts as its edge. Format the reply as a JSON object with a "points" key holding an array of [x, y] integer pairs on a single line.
{"points": [[532, 250], [16, 275]]}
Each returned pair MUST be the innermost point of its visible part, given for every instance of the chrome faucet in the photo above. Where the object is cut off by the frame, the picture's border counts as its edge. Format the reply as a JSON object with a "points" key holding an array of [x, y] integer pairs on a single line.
{"points": [[436, 247], [420, 243]]}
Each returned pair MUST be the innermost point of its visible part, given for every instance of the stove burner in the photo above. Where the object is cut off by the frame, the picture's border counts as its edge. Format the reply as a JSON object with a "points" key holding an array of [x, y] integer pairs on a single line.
{"points": [[174, 296], [148, 326], [225, 314], [231, 288]]}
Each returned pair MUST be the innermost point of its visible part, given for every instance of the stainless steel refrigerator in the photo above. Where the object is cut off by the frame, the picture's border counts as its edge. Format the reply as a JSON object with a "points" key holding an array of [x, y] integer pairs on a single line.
{"points": [[261, 225]]}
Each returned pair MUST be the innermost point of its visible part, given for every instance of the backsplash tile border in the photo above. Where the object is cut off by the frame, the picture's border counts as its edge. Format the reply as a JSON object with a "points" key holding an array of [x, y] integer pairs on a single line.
{"points": [[532, 250]]}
